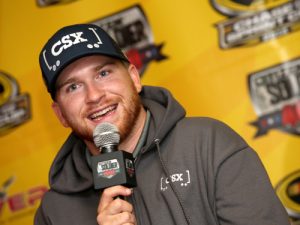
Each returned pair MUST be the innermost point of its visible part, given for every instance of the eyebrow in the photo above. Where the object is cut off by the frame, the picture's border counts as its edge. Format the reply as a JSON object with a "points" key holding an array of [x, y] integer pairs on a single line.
{"points": [[107, 62], [97, 68]]}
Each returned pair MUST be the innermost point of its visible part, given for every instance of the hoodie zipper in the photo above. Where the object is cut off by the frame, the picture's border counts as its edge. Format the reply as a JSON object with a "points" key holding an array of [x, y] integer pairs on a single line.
{"points": [[133, 196], [135, 209]]}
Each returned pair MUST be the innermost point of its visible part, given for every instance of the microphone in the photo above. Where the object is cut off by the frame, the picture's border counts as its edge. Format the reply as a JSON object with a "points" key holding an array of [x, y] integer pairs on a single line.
{"points": [[113, 166], [106, 137]]}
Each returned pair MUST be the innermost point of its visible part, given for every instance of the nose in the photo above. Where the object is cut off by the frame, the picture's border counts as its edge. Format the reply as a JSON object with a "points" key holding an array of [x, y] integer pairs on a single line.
{"points": [[94, 93]]}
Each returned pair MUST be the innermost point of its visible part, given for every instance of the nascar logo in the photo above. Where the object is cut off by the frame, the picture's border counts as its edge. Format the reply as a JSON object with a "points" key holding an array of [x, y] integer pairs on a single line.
{"points": [[288, 190], [239, 7], [274, 94], [14, 107]]}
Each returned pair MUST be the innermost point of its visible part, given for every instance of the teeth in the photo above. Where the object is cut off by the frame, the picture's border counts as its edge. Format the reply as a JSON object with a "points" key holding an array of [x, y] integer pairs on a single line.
{"points": [[102, 112]]}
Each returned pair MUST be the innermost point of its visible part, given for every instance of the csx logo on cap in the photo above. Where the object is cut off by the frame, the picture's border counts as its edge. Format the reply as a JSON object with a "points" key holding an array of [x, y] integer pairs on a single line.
{"points": [[68, 41]]}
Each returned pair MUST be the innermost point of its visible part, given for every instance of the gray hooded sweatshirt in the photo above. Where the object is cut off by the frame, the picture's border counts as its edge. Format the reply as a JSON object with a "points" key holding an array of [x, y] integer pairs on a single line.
{"points": [[189, 171]]}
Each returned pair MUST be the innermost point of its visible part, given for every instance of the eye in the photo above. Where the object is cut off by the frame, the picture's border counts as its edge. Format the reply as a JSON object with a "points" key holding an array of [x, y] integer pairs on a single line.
{"points": [[104, 73], [72, 87]]}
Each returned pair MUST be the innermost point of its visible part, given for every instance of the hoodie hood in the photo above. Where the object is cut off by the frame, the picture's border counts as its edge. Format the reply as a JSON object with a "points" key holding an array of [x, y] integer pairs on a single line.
{"points": [[70, 172], [166, 112]]}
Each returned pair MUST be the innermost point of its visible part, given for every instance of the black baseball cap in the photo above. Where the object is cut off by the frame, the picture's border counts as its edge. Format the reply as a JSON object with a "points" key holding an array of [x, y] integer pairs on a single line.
{"points": [[71, 43]]}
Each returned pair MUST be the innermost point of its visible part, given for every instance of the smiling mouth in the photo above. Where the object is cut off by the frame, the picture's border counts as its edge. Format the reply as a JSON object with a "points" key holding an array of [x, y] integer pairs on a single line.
{"points": [[102, 113]]}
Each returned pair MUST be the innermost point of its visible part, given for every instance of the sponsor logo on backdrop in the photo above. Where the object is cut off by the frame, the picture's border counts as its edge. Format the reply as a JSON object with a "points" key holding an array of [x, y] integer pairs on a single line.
{"points": [[14, 107], [18, 205], [131, 30], [275, 95], [288, 190], [44, 3], [255, 21]]}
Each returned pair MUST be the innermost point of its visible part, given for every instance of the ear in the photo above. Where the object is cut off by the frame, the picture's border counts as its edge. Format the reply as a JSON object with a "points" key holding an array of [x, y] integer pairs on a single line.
{"points": [[59, 114], [135, 76]]}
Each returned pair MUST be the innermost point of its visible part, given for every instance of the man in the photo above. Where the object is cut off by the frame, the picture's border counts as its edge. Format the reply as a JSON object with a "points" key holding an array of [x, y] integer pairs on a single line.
{"points": [[188, 170]]}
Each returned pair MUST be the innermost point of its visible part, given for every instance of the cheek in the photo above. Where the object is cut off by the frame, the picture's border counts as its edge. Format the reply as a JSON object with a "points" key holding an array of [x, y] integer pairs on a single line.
{"points": [[71, 107]]}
